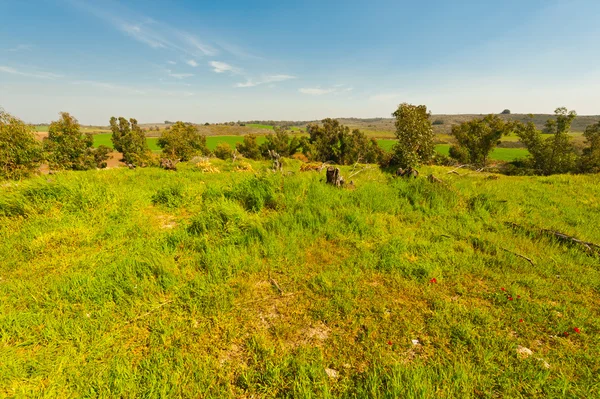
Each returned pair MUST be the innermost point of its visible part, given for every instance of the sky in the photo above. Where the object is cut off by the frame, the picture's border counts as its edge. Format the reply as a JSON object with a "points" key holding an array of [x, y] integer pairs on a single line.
{"points": [[229, 60]]}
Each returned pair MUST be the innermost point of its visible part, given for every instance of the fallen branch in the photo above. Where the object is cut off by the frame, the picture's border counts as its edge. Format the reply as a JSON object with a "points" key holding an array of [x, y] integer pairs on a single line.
{"points": [[454, 170], [274, 283], [519, 255], [149, 312], [362, 170], [589, 246]]}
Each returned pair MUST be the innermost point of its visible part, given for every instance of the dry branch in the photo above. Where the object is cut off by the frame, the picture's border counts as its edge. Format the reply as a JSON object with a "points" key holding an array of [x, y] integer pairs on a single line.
{"points": [[519, 255]]}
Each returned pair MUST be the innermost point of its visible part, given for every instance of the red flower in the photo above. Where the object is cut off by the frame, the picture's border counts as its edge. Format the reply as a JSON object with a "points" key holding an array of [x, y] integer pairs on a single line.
{"points": [[520, 320], [433, 281], [518, 296], [389, 342], [503, 289], [510, 298], [566, 334], [577, 330]]}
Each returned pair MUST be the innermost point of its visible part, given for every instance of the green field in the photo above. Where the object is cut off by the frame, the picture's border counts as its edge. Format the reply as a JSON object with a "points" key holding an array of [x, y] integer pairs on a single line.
{"points": [[211, 141], [498, 154], [150, 283]]}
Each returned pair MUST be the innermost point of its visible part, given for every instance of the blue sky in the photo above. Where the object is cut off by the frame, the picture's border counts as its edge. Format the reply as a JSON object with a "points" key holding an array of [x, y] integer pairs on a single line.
{"points": [[238, 60]]}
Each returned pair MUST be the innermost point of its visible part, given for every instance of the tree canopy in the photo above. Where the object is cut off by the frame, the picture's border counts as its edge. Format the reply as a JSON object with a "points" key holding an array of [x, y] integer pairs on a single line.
{"points": [[20, 151], [183, 141], [415, 135]]}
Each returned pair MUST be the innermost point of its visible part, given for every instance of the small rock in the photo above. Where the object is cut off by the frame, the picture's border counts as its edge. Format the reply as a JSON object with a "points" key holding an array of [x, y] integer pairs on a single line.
{"points": [[524, 352], [544, 363], [331, 373], [416, 342]]}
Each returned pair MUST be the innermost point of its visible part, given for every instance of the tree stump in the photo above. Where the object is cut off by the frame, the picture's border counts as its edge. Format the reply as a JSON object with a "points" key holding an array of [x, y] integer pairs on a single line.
{"points": [[408, 172], [168, 164], [334, 177], [276, 160]]}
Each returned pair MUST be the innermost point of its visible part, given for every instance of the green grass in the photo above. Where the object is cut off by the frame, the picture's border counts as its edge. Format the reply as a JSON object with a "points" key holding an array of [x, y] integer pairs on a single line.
{"points": [[150, 283]]}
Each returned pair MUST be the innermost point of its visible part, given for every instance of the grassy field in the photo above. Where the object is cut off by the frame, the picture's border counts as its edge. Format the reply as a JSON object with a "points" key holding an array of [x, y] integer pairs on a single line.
{"points": [[148, 283], [211, 141]]}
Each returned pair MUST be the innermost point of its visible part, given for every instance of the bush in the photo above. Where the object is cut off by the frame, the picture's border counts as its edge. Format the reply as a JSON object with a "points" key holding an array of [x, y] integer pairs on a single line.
{"points": [[300, 157], [438, 122], [171, 197], [506, 112], [20, 152], [254, 193], [223, 151], [68, 148], [249, 148], [183, 141]]}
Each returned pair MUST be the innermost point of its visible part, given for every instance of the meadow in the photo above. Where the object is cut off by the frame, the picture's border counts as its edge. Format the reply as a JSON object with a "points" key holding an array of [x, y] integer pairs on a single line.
{"points": [[149, 283]]}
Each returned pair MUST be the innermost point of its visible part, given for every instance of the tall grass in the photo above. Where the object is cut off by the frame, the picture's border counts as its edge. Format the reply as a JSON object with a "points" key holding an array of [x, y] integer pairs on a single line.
{"points": [[148, 283]]}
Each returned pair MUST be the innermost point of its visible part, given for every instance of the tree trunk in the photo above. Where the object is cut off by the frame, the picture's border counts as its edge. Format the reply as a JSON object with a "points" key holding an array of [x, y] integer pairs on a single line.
{"points": [[334, 177]]}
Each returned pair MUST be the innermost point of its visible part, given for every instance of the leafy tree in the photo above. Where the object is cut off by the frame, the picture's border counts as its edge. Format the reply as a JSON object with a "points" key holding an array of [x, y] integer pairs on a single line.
{"points": [[281, 143], [249, 148], [547, 156], [223, 151], [360, 148], [477, 138], [506, 112], [183, 141], [327, 141], [129, 139], [590, 159], [20, 152], [68, 148], [415, 135], [562, 122]]}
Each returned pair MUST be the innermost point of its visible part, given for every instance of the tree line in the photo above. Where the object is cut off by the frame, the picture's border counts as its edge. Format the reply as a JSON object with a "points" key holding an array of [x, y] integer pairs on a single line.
{"points": [[67, 147]]}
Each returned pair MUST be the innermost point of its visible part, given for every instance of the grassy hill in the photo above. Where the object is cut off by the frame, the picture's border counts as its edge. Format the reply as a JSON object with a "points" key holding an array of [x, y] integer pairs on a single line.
{"points": [[148, 283]]}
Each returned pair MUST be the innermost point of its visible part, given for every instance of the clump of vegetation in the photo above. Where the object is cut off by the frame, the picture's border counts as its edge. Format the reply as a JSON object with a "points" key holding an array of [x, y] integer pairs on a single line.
{"points": [[223, 151], [249, 147], [280, 142], [590, 159], [477, 138], [415, 136], [20, 152], [67, 148], [506, 112], [183, 141], [333, 142], [253, 193], [552, 155], [129, 139], [169, 196]]}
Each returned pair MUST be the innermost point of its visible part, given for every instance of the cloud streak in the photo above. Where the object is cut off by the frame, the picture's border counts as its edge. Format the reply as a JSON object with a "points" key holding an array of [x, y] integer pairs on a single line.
{"points": [[221, 67], [30, 74], [264, 80], [319, 91]]}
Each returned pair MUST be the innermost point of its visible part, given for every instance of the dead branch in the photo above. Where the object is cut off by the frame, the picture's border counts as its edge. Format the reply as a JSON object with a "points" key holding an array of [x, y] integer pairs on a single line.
{"points": [[434, 179], [562, 237], [362, 170], [519, 255], [274, 283], [149, 312], [454, 170]]}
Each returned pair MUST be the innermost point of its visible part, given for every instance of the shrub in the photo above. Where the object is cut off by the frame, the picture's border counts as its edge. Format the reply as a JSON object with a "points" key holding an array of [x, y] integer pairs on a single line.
{"points": [[223, 151], [506, 112], [300, 157], [68, 148], [249, 147], [20, 152], [129, 139], [183, 141], [171, 197], [477, 138], [438, 122], [254, 193], [415, 135]]}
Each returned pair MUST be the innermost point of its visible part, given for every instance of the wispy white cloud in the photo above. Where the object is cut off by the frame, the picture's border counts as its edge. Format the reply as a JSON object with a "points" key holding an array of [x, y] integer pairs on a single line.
{"points": [[179, 75], [30, 74], [220, 67], [20, 47], [171, 62], [109, 86], [148, 31], [319, 91], [264, 80], [192, 63]]}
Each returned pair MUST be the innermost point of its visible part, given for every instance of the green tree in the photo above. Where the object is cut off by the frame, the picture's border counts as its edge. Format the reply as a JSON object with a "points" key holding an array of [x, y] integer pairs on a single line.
{"points": [[506, 112], [415, 135], [68, 148], [280, 142], [129, 139], [477, 138], [327, 141], [562, 122], [547, 156], [359, 148], [20, 152], [183, 141], [249, 147], [223, 151], [590, 159]]}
